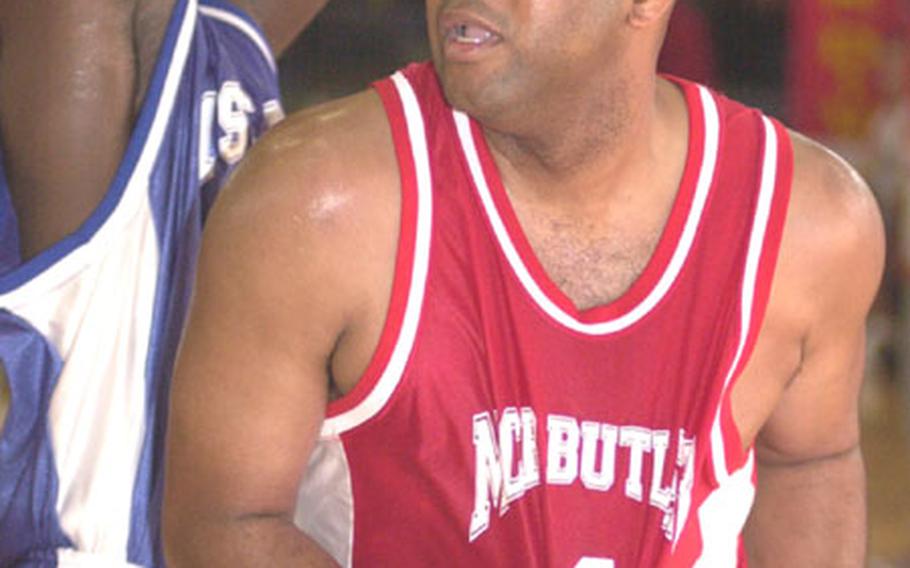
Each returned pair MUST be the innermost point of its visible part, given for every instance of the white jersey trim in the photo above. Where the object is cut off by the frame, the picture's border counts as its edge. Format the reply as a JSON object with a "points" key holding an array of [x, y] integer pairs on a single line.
{"points": [[242, 25], [750, 277], [325, 501], [69, 558], [703, 187], [391, 376]]}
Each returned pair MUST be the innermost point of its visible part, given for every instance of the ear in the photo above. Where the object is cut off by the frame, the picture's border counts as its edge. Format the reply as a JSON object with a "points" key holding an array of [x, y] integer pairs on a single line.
{"points": [[649, 12]]}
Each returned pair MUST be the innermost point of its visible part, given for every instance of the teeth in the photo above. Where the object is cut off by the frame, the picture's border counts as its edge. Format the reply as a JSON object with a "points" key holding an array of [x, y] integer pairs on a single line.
{"points": [[474, 35]]}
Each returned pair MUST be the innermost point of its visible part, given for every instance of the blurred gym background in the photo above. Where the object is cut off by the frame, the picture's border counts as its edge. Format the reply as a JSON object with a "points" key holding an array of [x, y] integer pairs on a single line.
{"points": [[837, 70]]}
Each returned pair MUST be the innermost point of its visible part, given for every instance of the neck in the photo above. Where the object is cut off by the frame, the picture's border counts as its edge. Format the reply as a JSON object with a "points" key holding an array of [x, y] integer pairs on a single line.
{"points": [[580, 140]]}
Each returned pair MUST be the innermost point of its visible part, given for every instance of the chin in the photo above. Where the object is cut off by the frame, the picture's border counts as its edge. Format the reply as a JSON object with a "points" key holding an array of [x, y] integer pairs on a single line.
{"points": [[482, 95]]}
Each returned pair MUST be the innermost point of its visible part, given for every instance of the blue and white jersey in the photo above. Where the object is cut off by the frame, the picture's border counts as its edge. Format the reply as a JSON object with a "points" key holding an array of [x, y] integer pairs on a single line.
{"points": [[89, 328]]}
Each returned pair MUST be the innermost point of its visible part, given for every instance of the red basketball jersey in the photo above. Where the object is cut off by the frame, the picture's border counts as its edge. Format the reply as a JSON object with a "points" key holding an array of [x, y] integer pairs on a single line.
{"points": [[498, 425]]}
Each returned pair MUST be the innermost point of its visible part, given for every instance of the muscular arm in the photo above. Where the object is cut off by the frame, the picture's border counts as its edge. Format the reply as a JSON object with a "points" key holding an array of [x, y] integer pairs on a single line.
{"points": [[295, 269], [805, 376], [67, 84]]}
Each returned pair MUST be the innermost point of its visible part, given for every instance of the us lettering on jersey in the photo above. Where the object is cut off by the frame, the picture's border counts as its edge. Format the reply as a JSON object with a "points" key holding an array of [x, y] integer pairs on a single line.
{"points": [[230, 109]]}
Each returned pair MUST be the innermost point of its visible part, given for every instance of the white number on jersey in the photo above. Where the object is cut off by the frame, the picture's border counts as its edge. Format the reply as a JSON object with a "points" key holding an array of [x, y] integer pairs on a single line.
{"points": [[233, 107], [591, 562], [230, 108]]}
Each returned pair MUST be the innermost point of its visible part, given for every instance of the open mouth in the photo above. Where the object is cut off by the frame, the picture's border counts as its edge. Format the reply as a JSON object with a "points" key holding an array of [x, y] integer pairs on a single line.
{"points": [[466, 35], [470, 34]]}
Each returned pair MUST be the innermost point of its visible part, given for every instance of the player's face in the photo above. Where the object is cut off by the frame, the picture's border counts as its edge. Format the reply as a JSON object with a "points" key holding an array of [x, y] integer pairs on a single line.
{"points": [[492, 55]]}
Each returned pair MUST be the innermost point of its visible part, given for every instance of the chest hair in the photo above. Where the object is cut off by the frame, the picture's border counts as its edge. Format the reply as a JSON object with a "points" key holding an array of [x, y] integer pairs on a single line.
{"points": [[591, 263]]}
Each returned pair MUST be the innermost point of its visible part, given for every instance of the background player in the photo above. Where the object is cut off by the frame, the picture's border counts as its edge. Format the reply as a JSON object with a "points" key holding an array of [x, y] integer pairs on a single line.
{"points": [[590, 146], [120, 120]]}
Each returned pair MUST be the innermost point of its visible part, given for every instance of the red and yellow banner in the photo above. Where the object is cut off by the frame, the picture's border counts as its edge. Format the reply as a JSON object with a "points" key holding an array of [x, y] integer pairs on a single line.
{"points": [[836, 52]]}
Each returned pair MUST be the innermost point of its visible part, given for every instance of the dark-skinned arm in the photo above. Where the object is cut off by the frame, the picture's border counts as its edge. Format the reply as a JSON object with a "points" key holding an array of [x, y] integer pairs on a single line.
{"points": [[291, 256], [77, 82], [282, 20], [810, 505]]}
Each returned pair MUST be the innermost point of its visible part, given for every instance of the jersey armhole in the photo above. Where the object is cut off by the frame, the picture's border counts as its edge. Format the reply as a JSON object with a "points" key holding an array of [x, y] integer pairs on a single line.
{"points": [[386, 367], [736, 454]]}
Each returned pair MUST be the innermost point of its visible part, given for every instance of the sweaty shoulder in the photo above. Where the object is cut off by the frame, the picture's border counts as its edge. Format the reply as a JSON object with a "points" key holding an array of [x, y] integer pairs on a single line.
{"points": [[329, 172]]}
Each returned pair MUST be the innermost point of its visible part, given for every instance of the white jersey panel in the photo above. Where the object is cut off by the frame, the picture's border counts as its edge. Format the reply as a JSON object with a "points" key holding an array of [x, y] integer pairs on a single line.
{"points": [[722, 517], [325, 502]]}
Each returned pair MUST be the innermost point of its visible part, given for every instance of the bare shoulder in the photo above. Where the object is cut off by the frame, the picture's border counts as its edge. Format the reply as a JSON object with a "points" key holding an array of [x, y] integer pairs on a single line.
{"points": [[312, 213], [833, 248], [827, 189], [325, 168], [327, 138]]}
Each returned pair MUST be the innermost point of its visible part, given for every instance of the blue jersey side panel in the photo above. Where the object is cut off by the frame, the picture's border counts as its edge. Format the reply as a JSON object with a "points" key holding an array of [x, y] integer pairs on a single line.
{"points": [[222, 53], [89, 328], [9, 229], [27, 518]]}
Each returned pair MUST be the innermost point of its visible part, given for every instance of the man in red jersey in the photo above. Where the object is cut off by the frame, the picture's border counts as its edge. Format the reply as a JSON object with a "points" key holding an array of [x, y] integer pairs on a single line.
{"points": [[530, 305]]}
